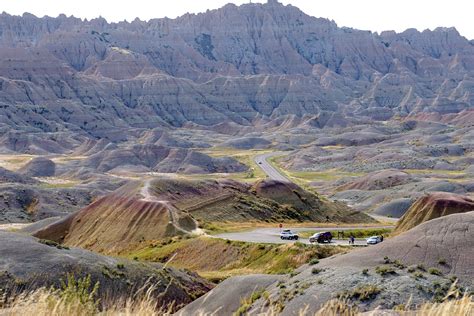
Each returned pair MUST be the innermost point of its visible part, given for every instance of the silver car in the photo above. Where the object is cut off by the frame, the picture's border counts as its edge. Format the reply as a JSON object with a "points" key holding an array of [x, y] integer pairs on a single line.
{"points": [[288, 234], [373, 240]]}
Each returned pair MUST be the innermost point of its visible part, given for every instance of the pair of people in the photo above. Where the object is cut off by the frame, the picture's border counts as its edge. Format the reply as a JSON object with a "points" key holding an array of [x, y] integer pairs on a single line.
{"points": [[351, 240]]}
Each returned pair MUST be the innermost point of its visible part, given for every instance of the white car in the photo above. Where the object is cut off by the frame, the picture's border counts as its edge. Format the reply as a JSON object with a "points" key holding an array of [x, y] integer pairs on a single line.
{"points": [[373, 240], [288, 234]]}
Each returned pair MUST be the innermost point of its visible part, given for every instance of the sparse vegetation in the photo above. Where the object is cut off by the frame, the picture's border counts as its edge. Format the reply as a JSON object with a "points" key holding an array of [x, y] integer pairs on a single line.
{"points": [[357, 233], [384, 270], [398, 264], [434, 271], [419, 275], [316, 271], [313, 261], [79, 298], [362, 293], [204, 255], [79, 291], [52, 243], [421, 267], [246, 303]]}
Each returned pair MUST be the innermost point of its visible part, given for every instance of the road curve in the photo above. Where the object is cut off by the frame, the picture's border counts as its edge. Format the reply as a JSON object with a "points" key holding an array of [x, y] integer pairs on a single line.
{"points": [[272, 235], [274, 174], [270, 171]]}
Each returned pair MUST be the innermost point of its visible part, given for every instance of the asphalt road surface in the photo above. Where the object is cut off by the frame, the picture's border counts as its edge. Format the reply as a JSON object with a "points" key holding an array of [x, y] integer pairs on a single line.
{"points": [[272, 235], [270, 171]]}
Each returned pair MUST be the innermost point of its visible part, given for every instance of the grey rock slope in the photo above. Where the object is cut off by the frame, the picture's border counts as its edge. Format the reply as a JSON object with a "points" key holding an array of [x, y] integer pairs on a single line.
{"points": [[161, 159], [39, 167], [443, 244], [27, 263], [240, 64]]}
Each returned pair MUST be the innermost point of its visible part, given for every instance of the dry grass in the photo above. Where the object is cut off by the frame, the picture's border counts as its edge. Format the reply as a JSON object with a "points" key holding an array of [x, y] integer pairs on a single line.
{"points": [[47, 303], [204, 256], [44, 302], [460, 307], [14, 162]]}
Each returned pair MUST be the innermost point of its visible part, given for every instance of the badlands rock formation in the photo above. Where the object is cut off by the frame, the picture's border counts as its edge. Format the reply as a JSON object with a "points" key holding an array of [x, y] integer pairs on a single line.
{"points": [[39, 167], [244, 64], [432, 206]]}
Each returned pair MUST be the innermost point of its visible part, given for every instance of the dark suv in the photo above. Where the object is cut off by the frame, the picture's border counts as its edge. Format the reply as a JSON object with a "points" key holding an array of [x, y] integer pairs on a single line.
{"points": [[321, 237]]}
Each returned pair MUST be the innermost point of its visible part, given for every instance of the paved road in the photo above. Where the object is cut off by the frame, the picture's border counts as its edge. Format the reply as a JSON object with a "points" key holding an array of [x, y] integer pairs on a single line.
{"points": [[272, 235], [13, 226], [270, 171], [275, 174]]}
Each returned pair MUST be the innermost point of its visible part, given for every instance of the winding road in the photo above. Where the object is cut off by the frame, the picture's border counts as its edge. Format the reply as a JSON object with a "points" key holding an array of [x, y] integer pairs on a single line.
{"points": [[268, 168], [272, 235]]}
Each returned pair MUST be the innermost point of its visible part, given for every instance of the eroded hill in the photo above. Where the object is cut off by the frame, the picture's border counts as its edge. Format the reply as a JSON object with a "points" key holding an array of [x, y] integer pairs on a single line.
{"points": [[155, 209]]}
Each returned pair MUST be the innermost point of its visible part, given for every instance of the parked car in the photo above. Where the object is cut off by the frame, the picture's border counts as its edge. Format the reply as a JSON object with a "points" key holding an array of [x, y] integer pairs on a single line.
{"points": [[288, 235], [321, 237], [374, 240]]}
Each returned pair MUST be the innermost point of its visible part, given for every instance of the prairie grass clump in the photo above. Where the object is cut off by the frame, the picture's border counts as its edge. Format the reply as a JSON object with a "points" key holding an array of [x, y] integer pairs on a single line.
{"points": [[362, 293], [384, 270], [316, 271], [313, 261], [434, 271]]}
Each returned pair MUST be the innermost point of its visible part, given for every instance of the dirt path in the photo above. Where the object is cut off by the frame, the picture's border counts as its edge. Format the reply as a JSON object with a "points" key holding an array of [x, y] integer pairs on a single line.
{"points": [[172, 210]]}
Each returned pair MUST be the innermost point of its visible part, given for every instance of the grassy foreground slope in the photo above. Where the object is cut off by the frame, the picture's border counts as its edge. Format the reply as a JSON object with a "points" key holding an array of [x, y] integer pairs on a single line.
{"points": [[421, 265], [28, 263], [218, 259]]}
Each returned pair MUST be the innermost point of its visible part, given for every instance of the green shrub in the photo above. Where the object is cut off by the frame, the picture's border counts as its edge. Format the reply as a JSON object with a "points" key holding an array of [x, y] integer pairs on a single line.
{"points": [[52, 243], [418, 275], [313, 261], [384, 270], [316, 271], [81, 291], [245, 304], [398, 264], [362, 293], [434, 271], [421, 267]]}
